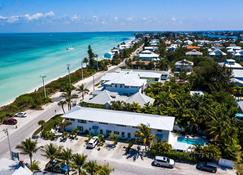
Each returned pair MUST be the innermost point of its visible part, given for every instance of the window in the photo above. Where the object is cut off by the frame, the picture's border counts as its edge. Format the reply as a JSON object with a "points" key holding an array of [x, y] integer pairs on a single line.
{"points": [[108, 132], [101, 131], [90, 121], [70, 119], [158, 130], [123, 134], [82, 121], [129, 135], [80, 128], [116, 132]]}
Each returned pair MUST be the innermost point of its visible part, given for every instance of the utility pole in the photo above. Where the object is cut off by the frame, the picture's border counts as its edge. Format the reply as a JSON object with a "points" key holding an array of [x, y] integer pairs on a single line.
{"points": [[97, 66], [82, 72], [69, 78], [9, 145], [93, 84], [43, 81]]}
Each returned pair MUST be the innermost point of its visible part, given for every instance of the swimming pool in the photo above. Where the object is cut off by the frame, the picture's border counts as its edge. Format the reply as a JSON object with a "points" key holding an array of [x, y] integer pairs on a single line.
{"points": [[192, 141]]}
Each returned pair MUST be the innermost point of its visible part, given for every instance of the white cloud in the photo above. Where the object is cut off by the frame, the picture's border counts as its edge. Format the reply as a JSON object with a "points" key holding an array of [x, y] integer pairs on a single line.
{"points": [[27, 17], [173, 19], [39, 15]]}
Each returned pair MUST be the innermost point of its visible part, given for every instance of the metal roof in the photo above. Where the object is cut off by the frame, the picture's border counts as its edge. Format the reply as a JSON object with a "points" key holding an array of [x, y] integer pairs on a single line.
{"points": [[121, 118]]}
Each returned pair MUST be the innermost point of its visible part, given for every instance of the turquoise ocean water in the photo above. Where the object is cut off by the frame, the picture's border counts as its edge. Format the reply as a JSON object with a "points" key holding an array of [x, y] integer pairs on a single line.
{"points": [[24, 57]]}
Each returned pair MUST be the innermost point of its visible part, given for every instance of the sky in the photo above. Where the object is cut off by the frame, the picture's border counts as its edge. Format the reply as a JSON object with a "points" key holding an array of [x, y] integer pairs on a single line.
{"points": [[119, 15]]}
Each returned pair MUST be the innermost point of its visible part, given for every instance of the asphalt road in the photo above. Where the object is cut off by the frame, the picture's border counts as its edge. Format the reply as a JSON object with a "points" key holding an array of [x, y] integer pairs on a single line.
{"points": [[26, 130]]}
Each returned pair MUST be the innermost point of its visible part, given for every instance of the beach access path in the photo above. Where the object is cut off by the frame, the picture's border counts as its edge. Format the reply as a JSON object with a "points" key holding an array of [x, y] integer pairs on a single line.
{"points": [[26, 126]]}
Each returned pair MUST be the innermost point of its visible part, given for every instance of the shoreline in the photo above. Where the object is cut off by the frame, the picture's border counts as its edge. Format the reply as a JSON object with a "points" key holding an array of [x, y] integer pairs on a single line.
{"points": [[50, 81]]}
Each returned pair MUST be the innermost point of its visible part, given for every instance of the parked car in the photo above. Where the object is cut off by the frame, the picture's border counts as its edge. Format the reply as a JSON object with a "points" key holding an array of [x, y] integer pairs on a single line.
{"points": [[163, 161], [21, 114], [10, 121], [56, 166], [92, 142], [207, 166]]}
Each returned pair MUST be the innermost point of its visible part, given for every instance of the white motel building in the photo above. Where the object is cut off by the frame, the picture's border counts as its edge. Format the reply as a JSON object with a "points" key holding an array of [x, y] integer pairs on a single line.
{"points": [[124, 124]]}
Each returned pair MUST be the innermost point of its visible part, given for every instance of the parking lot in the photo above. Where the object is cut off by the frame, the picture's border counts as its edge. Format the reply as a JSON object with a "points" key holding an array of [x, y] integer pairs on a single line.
{"points": [[123, 164]]}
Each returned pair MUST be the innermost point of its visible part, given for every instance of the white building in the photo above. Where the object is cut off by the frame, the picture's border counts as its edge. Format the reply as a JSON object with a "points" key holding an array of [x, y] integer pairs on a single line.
{"points": [[124, 124], [238, 54], [151, 48], [194, 53], [123, 83], [217, 53], [183, 66], [231, 64], [148, 55], [12, 167], [237, 76]]}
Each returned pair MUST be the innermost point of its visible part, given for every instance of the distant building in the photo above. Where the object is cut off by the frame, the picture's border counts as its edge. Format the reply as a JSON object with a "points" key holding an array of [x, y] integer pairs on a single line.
{"points": [[148, 55], [151, 48], [231, 64], [238, 54], [11, 167], [237, 76], [194, 53], [124, 124], [190, 47], [183, 66], [217, 53]]}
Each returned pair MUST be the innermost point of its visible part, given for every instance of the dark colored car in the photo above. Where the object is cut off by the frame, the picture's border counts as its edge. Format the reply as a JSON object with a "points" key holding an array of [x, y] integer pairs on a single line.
{"points": [[10, 121], [207, 166], [57, 166]]}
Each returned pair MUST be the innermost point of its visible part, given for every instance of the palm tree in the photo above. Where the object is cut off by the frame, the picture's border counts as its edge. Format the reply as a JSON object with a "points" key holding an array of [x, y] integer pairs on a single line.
{"points": [[91, 167], [41, 123], [79, 161], [144, 135], [67, 156], [28, 147], [67, 94], [81, 89], [51, 151], [62, 103], [104, 170]]}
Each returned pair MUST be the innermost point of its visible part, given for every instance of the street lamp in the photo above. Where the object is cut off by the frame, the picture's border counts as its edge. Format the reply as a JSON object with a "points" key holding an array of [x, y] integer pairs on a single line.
{"points": [[68, 69], [43, 81]]}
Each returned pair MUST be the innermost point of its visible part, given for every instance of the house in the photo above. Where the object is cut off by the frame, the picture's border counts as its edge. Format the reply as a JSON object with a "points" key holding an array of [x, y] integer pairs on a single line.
{"points": [[190, 47], [199, 93], [183, 66], [231, 64], [238, 54], [217, 53], [109, 55], [123, 83], [106, 97], [124, 124], [148, 55], [151, 48], [12, 167], [188, 42], [154, 42], [237, 75], [172, 48], [194, 53]]}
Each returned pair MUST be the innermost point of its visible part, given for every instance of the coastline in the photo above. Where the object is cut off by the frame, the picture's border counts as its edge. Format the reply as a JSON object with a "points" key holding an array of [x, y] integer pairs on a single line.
{"points": [[53, 79]]}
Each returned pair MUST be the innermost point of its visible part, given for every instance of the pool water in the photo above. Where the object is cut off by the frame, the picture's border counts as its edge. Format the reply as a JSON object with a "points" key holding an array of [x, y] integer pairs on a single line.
{"points": [[192, 141]]}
